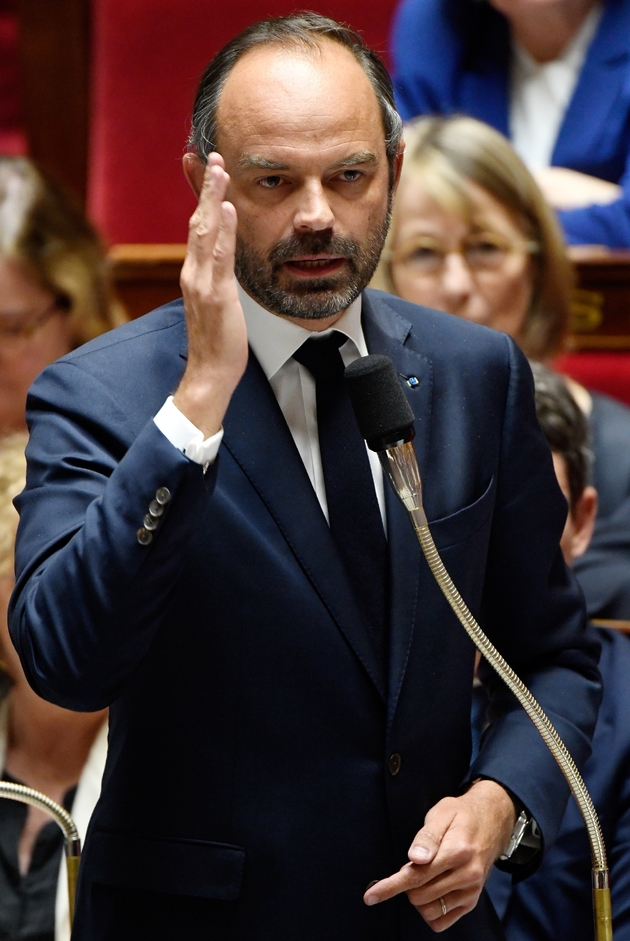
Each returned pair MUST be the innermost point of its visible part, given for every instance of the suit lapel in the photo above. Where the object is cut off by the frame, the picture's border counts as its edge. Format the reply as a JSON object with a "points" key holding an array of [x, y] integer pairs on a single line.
{"points": [[596, 94], [386, 333], [258, 438]]}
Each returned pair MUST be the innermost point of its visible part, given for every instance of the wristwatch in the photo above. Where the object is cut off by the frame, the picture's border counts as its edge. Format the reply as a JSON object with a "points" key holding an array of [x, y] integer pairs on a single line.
{"points": [[525, 842]]}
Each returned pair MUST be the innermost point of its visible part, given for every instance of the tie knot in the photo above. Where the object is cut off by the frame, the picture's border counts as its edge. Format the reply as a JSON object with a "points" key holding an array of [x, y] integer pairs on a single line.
{"points": [[322, 357]]}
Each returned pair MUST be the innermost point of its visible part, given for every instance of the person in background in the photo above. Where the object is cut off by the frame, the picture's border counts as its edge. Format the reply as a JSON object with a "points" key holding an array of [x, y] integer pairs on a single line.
{"points": [[472, 234], [555, 903], [53, 750], [552, 76], [55, 292]]}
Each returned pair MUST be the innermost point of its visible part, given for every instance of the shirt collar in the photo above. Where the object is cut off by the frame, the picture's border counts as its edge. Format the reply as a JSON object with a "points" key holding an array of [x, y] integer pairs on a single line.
{"points": [[275, 339]]}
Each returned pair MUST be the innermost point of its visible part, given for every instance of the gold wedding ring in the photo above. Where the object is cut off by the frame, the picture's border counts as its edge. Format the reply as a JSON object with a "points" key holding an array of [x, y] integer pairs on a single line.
{"points": [[443, 904]]}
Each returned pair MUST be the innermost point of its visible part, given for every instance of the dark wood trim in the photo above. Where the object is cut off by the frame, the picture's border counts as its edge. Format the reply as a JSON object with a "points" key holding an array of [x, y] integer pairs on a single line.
{"points": [[601, 308], [148, 275], [54, 40]]}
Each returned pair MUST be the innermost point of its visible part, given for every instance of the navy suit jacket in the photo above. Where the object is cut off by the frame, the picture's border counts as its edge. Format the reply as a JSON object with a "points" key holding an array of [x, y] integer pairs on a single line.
{"points": [[251, 725], [433, 76], [555, 904]]}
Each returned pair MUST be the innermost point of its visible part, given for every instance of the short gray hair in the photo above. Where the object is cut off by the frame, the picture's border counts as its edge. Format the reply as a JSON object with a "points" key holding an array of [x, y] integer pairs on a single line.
{"points": [[305, 29]]}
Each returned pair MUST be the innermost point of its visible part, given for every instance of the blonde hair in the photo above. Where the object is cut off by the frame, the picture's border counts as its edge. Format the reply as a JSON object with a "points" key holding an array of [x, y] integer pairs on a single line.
{"points": [[448, 153], [42, 228], [12, 479]]}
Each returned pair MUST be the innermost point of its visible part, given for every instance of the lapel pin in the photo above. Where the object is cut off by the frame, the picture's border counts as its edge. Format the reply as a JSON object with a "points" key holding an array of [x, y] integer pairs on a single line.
{"points": [[413, 381]]}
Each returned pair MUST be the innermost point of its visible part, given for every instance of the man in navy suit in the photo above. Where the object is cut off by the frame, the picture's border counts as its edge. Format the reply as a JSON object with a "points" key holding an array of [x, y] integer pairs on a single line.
{"points": [[281, 765]]}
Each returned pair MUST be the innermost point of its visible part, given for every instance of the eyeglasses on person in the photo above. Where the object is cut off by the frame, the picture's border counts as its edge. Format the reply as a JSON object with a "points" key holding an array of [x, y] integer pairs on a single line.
{"points": [[483, 253], [17, 331]]}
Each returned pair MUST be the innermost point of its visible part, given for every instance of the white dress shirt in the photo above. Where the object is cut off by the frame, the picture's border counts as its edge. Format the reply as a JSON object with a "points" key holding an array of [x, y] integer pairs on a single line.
{"points": [[540, 93], [273, 341]]}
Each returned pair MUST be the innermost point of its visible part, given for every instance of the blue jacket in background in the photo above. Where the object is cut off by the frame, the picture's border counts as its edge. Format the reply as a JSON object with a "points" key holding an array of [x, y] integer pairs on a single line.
{"points": [[555, 903], [436, 71]]}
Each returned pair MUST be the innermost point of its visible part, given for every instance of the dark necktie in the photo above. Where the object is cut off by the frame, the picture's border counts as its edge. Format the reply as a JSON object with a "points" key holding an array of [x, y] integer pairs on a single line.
{"points": [[353, 511]]}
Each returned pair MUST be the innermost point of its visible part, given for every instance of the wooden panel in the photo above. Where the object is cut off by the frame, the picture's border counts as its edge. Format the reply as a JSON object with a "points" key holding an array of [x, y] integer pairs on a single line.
{"points": [[54, 40], [148, 275], [601, 311]]}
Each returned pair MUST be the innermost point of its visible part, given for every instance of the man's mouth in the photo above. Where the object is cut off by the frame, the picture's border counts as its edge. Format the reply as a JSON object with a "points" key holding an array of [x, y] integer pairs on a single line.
{"points": [[309, 267]]}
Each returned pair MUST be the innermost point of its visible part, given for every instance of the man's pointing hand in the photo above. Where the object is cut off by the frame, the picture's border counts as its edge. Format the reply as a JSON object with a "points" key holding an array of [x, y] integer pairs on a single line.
{"points": [[451, 856]]}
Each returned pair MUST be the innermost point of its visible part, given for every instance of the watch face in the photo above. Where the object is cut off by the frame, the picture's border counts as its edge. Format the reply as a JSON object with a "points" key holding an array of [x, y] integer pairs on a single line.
{"points": [[517, 835]]}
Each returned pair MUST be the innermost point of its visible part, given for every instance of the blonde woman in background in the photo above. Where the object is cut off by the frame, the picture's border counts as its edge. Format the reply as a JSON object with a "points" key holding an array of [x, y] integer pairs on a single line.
{"points": [[472, 235], [463, 187], [56, 751], [55, 292]]}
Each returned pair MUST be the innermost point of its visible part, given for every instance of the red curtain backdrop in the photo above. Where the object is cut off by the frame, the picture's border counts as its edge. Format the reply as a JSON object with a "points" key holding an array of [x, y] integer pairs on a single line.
{"points": [[12, 133], [148, 57], [603, 371]]}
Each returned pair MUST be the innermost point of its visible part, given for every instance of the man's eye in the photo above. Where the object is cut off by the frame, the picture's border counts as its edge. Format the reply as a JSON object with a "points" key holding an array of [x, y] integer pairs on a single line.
{"points": [[349, 176], [271, 182]]}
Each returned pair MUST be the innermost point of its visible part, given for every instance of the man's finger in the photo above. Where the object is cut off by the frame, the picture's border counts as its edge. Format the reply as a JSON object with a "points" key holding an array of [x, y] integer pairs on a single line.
{"points": [[225, 244], [408, 878], [206, 219], [426, 843], [428, 840]]}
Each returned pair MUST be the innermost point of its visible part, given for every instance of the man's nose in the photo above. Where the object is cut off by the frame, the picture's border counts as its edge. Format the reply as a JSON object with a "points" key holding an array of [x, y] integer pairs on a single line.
{"points": [[313, 212]]}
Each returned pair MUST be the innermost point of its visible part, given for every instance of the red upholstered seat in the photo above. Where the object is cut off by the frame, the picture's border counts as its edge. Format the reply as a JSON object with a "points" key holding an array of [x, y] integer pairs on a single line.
{"points": [[607, 372], [148, 56]]}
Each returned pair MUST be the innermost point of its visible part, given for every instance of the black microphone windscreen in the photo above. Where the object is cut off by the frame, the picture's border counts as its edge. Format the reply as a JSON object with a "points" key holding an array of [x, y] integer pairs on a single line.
{"points": [[382, 411]]}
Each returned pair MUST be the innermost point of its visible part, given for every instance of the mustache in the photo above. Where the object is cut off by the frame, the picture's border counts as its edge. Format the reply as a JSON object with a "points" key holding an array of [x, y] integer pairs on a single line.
{"points": [[312, 243]]}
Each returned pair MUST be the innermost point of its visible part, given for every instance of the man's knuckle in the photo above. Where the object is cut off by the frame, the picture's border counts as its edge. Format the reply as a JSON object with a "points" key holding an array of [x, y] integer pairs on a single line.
{"points": [[430, 835]]}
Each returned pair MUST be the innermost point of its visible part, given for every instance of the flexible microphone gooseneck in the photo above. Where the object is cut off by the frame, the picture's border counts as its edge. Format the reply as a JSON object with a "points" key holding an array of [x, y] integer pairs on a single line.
{"points": [[72, 841], [385, 420]]}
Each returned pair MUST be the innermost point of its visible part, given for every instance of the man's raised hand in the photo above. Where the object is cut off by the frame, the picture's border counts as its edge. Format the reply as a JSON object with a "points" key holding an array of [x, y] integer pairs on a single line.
{"points": [[217, 337]]}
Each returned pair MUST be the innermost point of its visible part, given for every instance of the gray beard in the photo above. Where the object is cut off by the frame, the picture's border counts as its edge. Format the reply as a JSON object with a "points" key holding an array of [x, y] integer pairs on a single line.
{"points": [[317, 298]]}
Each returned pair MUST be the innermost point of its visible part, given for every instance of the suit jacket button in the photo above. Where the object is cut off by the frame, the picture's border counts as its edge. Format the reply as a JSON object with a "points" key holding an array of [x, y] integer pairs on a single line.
{"points": [[150, 522], [394, 764], [162, 495], [144, 537], [155, 509]]}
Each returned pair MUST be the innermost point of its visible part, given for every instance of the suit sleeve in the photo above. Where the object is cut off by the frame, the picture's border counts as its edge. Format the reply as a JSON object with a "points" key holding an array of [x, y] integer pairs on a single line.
{"points": [[600, 225], [90, 591]]}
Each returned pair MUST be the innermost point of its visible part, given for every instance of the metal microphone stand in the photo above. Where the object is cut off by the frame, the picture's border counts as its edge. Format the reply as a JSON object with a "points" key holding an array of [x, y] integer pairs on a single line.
{"points": [[26, 795]]}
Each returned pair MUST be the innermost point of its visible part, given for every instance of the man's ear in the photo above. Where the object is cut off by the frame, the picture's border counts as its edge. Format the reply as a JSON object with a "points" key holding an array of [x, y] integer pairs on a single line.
{"points": [[194, 168], [398, 162], [583, 516]]}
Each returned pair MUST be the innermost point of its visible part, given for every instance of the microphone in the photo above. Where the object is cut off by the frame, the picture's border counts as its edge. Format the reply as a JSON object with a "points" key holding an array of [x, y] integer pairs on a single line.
{"points": [[385, 420]]}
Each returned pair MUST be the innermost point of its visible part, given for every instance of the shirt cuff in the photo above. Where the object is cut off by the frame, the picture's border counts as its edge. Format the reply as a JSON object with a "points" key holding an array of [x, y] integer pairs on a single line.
{"points": [[185, 436]]}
